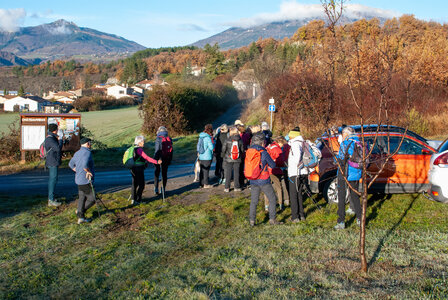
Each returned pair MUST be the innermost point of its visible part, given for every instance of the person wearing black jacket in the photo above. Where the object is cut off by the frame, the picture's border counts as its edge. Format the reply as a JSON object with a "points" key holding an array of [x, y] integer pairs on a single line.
{"points": [[233, 159], [220, 139], [163, 150], [53, 147]]}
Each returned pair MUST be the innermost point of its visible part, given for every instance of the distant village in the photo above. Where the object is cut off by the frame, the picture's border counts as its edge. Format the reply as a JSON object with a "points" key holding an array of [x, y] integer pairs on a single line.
{"points": [[244, 82]]}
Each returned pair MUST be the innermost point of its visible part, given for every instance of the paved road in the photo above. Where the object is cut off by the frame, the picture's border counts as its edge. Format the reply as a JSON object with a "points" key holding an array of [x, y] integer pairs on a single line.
{"points": [[106, 181]]}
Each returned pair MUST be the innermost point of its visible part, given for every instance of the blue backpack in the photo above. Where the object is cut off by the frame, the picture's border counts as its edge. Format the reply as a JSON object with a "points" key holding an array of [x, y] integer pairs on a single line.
{"points": [[200, 147]]}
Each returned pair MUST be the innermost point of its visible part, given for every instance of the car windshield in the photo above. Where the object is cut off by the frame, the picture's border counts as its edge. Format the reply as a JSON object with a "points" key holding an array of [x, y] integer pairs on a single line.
{"points": [[444, 146]]}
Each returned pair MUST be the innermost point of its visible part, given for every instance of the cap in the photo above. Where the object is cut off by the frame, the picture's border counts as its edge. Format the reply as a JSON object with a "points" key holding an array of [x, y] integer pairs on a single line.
{"points": [[85, 141]]}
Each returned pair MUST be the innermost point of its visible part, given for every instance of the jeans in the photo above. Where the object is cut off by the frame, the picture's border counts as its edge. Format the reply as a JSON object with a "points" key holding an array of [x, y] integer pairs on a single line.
{"points": [[86, 199], [203, 174], [52, 180], [228, 167], [164, 167], [354, 198], [138, 182], [296, 186], [254, 197]]}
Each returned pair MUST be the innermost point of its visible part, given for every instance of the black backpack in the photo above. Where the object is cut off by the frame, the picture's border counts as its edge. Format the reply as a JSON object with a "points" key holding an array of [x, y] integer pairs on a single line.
{"points": [[355, 160]]}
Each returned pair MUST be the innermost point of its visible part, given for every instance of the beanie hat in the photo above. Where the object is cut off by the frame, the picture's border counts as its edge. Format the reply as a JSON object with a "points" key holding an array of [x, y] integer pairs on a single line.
{"points": [[294, 133]]}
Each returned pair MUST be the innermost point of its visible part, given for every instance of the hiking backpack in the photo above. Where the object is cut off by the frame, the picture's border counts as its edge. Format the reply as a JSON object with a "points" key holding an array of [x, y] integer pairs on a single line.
{"points": [[200, 147], [235, 150], [355, 160], [128, 157], [42, 150], [167, 147], [253, 169], [310, 156]]}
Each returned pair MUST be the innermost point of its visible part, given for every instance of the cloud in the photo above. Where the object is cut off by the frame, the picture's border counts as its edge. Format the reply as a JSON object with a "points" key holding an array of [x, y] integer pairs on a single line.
{"points": [[11, 19], [292, 10], [191, 27], [62, 29]]}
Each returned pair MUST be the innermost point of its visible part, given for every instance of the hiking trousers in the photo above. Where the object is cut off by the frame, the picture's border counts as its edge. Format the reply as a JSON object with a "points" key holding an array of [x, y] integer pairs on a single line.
{"points": [[86, 199], [203, 174], [255, 191], [138, 182], [280, 188], [52, 181], [157, 168], [219, 168], [354, 198], [296, 186], [228, 167]]}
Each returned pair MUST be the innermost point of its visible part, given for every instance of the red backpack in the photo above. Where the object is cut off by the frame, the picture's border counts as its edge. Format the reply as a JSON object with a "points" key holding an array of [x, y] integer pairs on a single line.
{"points": [[253, 169], [235, 151], [167, 147]]}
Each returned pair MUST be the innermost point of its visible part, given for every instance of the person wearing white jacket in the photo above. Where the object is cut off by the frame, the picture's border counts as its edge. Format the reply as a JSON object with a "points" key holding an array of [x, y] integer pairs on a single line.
{"points": [[298, 175]]}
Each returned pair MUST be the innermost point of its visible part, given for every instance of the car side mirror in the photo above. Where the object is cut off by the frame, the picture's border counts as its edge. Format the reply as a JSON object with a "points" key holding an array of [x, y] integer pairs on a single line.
{"points": [[426, 151]]}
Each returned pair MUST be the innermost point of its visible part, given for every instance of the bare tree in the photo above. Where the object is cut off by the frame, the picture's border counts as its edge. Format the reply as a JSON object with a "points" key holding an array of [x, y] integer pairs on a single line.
{"points": [[362, 85]]}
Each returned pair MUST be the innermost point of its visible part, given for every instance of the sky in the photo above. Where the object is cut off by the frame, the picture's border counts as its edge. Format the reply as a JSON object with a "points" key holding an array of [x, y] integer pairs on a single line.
{"points": [[176, 23]]}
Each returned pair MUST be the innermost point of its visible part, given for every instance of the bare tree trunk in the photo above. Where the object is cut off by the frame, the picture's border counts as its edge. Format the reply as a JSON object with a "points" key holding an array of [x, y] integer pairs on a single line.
{"points": [[362, 240]]}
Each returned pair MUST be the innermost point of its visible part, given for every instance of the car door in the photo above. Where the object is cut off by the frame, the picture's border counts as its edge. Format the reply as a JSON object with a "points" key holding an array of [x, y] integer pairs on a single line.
{"points": [[377, 160], [408, 168]]}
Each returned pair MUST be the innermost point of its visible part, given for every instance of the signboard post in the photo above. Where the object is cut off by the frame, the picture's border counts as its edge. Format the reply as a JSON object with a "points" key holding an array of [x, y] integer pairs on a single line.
{"points": [[34, 127], [271, 109]]}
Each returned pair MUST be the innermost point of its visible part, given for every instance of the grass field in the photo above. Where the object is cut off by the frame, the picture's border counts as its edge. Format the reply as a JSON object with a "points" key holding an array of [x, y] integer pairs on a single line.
{"points": [[115, 127], [199, 246]]}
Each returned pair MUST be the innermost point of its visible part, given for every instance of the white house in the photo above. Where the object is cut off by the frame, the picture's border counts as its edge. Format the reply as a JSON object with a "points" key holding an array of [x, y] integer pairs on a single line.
{"points": [[66, 100], [197, 71], [118, 91], [246, 83], [32, 103]]}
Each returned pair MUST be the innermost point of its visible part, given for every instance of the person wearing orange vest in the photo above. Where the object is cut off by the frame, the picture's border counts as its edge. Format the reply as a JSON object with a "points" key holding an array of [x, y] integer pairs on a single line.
{"points": [[263, 182]]}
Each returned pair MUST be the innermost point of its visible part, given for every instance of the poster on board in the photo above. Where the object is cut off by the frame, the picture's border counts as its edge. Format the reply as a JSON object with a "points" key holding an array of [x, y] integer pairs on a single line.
{"points": [[32, 136]]}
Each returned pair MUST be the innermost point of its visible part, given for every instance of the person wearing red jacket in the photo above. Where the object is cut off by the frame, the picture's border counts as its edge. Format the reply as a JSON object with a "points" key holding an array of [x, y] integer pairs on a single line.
{"points": [[279, 154]]}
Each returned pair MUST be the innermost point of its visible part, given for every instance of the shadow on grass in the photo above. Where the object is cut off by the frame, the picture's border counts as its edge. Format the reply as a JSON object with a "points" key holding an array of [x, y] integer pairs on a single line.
{"points": [[390, 231]]}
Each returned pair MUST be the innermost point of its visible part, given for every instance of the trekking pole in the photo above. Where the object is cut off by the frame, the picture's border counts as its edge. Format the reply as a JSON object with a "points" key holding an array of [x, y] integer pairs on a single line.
{"points": [[98, 200], [163, 193]]}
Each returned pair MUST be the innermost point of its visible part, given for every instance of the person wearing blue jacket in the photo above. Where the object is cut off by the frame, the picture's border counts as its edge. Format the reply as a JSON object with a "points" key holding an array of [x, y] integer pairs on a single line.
{"points": [[82, 164], [205, 149], [353, 175], [263, 184]]}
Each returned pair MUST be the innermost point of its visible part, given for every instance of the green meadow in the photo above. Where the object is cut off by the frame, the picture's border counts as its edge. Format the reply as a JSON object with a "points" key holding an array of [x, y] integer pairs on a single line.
{"points": [[198, 245]]}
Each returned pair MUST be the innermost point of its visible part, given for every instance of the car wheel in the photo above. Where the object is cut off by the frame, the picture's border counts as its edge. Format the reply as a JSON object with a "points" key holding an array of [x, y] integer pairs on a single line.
{"points": [[330, 191]]}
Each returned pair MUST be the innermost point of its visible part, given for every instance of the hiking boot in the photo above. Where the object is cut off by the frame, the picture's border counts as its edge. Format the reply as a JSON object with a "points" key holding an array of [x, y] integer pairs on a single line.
{"points": [[135, 202], [156, 192], [54, 203], [349, 211], [227, 190], [83, 220], [274, 222], [286, 202], [252, 223], [237, 190], [208, 186], [340, 226]]}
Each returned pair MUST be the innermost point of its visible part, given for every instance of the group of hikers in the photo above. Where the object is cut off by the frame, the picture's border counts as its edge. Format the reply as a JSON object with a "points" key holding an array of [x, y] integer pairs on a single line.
{"points": [[249, 156]]}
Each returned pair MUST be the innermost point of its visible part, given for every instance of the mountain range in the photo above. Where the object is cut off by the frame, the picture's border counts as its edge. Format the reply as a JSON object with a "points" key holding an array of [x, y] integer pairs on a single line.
{"points": [[237, 37], [62, 39]]}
